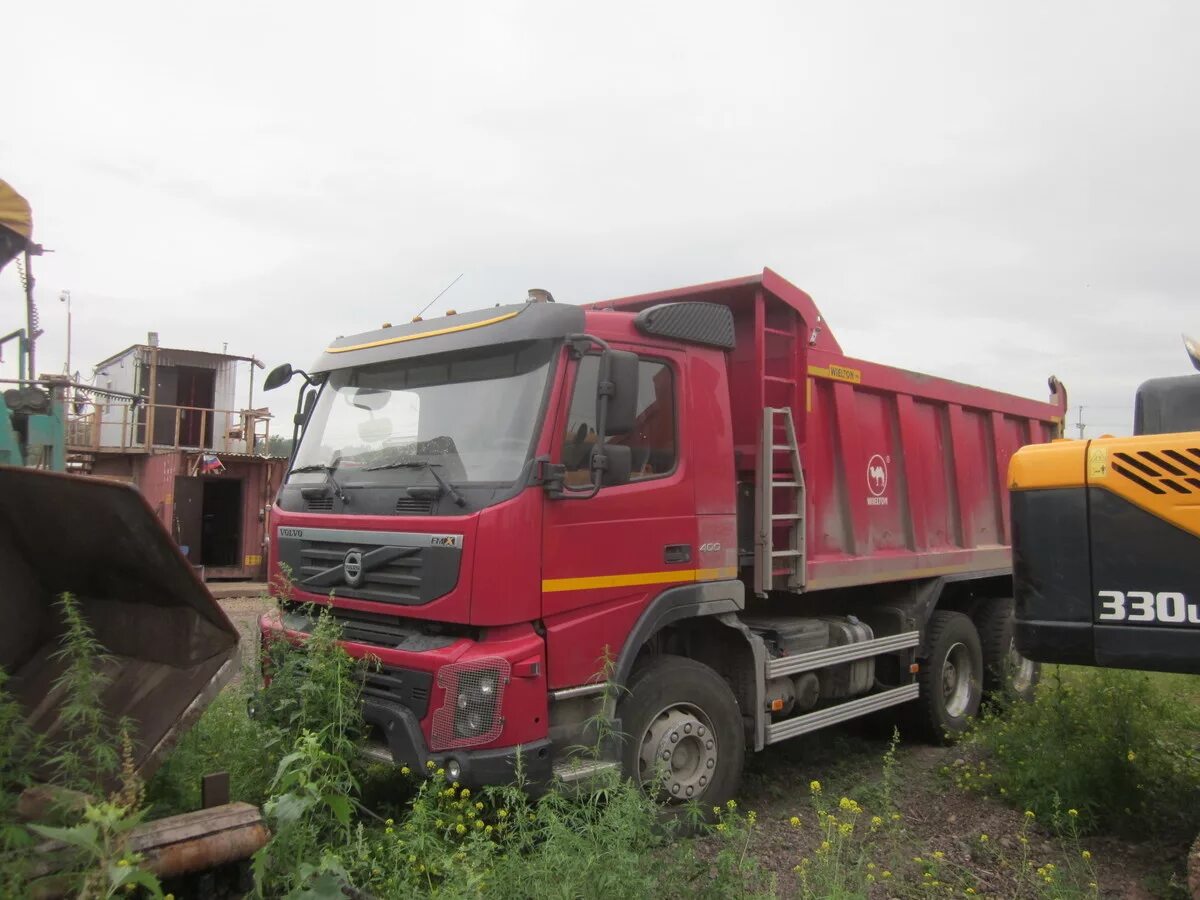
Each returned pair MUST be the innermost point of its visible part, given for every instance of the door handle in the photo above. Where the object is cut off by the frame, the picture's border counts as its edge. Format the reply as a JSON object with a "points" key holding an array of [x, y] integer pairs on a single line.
{"points": [[677, 553]]}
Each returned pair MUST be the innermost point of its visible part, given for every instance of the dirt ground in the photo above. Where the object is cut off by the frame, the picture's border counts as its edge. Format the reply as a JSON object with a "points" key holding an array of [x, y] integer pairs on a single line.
{"points": [[937, 815], [244, 613]]}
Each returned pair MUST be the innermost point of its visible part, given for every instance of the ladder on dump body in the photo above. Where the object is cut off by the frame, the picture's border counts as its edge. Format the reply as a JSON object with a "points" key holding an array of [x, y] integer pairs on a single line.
{"points": [[765, 553]]}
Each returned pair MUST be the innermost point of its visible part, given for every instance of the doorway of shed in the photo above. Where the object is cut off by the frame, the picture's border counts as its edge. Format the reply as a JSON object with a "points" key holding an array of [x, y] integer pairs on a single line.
{"points": [[221, 522]]}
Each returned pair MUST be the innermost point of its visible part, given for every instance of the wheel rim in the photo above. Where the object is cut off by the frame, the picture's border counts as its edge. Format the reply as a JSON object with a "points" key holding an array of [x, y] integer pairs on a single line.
{"points": [[957, 680], [679, 748], [1021, 668]]}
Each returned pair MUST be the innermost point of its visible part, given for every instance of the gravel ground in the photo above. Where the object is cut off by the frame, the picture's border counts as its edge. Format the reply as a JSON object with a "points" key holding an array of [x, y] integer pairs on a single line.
{"points": [[244, 613], [936, 816]]}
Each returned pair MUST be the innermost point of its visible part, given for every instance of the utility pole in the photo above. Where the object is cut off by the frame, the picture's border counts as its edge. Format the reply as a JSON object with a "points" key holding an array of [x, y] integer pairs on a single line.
{"points": [[65, 297], [1079, 424]]}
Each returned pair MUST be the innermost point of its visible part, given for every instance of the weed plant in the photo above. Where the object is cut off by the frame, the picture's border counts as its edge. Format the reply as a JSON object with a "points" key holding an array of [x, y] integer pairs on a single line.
{"points": [[1119, 747]]}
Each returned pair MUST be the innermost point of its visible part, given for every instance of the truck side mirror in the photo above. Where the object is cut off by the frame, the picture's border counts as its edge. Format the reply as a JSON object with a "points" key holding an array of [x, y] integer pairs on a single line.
{"points": [[622, 399], [310, 400], [278, 377], [1193, 350], [617, 465]]}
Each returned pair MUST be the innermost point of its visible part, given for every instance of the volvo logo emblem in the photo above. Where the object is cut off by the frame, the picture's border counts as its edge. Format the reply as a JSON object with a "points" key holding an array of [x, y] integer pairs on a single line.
{"points": [[352, 567]]}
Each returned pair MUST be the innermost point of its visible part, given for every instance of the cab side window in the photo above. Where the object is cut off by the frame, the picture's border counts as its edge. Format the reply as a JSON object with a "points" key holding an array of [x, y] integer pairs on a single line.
{"points": [[652, 440]]}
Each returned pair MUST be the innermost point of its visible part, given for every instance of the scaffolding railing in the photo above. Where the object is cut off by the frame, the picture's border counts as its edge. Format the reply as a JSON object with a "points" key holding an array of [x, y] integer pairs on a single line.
{"points": [[120, 427]]}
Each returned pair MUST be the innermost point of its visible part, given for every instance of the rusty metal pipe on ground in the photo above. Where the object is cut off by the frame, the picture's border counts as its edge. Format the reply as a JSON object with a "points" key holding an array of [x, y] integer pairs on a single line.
{"points": [[178, 845]]}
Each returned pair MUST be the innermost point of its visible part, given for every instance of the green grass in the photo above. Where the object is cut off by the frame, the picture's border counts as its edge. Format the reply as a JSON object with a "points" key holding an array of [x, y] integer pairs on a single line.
{"points": [[1121, 748], [225, 739]]}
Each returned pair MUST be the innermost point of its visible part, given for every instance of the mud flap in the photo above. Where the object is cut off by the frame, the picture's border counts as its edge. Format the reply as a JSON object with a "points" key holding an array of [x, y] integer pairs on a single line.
{"points": [[170, 647]]}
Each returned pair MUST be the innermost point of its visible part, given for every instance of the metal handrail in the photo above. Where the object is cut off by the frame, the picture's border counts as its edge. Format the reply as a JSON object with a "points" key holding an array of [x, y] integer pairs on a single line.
{"points": [[137, 432]]}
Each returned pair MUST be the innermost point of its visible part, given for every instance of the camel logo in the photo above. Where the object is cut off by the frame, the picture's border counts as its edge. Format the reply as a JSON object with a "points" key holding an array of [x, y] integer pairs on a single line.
{"points": [[877, 480]]}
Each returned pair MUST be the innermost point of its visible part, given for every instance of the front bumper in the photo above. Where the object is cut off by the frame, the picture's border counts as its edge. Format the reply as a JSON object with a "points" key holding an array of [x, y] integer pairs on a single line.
{"points": [[401, 732]]}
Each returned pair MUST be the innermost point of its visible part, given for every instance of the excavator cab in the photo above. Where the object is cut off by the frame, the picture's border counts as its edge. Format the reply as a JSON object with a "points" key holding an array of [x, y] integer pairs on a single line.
{"points": [[1170, 405]]}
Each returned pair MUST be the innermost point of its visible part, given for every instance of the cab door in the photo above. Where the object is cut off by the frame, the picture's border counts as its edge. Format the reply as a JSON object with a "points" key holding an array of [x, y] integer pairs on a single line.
{"points": [[606, 557]]}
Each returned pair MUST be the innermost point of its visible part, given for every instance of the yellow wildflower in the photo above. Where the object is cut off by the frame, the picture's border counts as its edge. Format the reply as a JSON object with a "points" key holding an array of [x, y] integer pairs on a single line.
{"points": [[938, 854], [876, 821], [430, 764], [983, 839], [721, 827], [794, 821], [815, 787], [1072, 813], [732, 804], [441, 771], [1029, 814], [1086, 854], [405, 770], [460, 828], [479, 823], [503, 813], [1131, 756], [466, 792], [479, 806]]}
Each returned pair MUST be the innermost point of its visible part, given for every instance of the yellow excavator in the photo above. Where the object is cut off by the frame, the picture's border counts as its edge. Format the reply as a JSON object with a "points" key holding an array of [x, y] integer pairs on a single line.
{"points": [[1106, 539]]}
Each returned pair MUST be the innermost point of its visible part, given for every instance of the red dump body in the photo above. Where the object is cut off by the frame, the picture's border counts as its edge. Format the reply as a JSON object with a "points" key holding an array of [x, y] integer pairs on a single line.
{"points": [[904, 472]]}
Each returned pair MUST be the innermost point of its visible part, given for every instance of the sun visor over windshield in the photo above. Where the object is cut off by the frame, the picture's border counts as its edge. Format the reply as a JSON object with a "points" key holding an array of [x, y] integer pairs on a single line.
{"points": [[486, 327]]}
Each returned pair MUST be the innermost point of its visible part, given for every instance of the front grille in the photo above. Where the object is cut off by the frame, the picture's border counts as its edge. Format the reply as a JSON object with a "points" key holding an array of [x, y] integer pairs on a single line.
{"points": [[407, 687], [1159, 473], [390, 574], [318, 504], [412, 506]]}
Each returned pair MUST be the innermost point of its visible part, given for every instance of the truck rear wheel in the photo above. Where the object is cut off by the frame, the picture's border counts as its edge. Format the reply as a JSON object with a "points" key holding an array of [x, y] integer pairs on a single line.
{"points": [[951, 676], [682, 729], [1005, 671]]}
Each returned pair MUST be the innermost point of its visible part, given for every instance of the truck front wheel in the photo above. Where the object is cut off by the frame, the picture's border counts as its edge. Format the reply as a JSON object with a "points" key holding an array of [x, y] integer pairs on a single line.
{"points": [[683, 733], [951, 676]]}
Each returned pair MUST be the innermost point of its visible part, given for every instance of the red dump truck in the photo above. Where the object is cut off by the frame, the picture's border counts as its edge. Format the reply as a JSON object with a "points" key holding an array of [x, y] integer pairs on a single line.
{"points": [[688, 510]]}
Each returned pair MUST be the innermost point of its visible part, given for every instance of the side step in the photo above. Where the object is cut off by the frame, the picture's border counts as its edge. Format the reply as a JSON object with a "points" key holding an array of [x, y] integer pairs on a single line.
{"points": [[832, 656], [790, 728]]}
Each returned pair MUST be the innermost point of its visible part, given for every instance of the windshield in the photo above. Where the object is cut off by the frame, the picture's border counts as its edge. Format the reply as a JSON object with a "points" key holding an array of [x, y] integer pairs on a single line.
{"points": [[472, 415]]}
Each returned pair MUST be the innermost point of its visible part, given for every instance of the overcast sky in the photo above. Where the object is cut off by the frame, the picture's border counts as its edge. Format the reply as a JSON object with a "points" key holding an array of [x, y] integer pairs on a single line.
{"points": [[991, 193]]}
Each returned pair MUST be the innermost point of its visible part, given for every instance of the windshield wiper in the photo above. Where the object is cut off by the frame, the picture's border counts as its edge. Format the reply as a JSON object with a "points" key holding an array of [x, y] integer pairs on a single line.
{"points": [[433, 470], [330, 481]]}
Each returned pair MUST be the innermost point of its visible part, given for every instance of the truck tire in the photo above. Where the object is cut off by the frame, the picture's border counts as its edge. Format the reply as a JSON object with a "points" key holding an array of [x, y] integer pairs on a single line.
{"points": [[951, 676], [681, 722], [1005, 671]]}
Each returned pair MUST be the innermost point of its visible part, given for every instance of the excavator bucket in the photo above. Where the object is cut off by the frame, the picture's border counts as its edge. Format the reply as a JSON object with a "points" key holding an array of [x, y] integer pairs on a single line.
{"points": [[169, 647]]}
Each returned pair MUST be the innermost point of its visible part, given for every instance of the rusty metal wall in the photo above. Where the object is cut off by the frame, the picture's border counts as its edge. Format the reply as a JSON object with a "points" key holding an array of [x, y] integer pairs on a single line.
{"points": [[155, 478]]}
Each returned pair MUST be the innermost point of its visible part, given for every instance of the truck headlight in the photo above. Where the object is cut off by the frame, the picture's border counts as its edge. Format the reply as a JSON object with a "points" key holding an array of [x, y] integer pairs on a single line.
{"points": [[474, 697]]}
